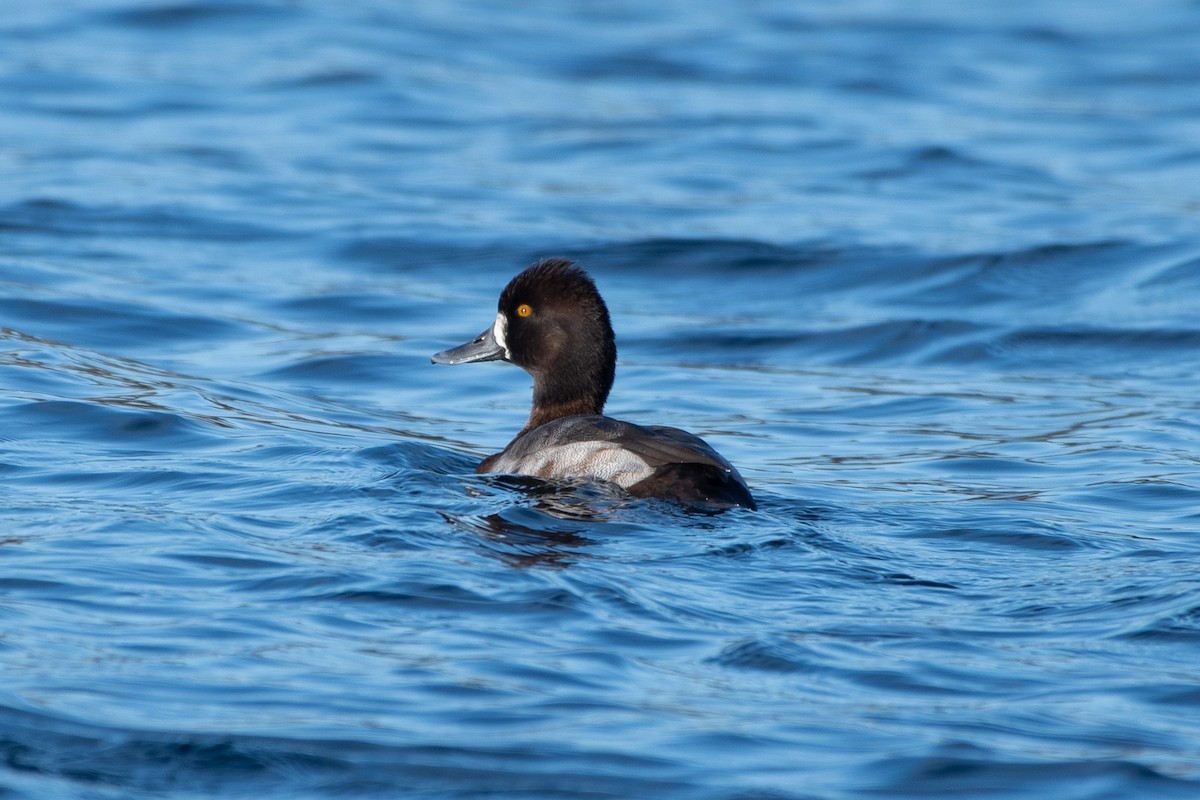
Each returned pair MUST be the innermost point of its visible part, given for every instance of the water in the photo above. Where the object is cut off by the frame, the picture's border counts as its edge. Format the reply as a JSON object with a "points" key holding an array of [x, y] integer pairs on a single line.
{"points": [[928, 274]]}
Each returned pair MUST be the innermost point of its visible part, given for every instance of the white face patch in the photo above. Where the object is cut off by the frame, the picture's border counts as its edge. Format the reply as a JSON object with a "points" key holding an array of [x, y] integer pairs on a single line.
{"points": [[499, 330]]}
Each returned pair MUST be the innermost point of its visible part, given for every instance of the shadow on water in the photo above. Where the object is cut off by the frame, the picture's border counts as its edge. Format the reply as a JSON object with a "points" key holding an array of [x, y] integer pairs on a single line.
{"points": [[544, 523]]}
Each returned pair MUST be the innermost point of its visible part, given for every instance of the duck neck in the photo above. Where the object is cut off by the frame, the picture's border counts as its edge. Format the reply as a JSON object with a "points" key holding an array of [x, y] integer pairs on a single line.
{"points": [[569, 389], [542, 414]]}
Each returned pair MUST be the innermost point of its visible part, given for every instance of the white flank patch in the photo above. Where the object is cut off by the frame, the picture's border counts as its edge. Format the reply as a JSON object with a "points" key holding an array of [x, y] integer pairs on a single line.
{"points": [[602, 461]]}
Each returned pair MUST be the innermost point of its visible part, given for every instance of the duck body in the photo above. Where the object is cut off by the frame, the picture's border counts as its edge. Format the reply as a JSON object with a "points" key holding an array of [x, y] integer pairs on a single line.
{"points": [[645, 460], [552, 322]]}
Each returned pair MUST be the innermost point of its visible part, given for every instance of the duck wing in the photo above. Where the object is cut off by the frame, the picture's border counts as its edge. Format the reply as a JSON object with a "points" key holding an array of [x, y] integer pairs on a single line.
{"points": [[648, 460]]}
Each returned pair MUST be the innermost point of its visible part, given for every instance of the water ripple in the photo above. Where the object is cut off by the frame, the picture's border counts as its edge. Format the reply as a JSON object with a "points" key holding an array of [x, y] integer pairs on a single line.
{"points": [[912, 269]]}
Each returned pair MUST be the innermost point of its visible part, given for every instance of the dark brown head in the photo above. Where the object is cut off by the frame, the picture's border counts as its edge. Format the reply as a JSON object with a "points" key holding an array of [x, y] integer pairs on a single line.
{"points": [[551, 322]]}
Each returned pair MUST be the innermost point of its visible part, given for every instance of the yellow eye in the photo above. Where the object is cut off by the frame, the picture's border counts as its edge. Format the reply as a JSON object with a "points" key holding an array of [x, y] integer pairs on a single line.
{"points": [[524, 310]]}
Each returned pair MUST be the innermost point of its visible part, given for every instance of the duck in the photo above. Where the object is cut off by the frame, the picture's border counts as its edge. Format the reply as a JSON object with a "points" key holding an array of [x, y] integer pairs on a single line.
{"points": [[552, 322]]}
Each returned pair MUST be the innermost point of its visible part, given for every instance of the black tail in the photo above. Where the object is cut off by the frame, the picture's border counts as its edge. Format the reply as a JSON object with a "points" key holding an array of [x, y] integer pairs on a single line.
{"points": [[697, 485]]}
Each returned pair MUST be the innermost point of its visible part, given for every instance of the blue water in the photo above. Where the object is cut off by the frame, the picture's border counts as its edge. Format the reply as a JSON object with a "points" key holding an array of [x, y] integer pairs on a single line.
{"points": [[927, 273]]}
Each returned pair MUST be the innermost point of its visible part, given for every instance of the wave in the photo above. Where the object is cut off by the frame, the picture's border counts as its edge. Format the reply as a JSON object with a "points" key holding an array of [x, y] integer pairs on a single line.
{"points": [[46, 753]]}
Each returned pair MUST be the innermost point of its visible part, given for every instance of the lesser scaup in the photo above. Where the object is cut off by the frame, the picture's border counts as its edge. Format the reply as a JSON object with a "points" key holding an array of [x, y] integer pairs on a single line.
{"points": [[552, 322]]}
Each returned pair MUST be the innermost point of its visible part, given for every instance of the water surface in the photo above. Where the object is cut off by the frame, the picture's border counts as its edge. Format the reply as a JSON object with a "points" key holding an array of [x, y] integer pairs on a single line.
{"points": [[928, 275]]}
